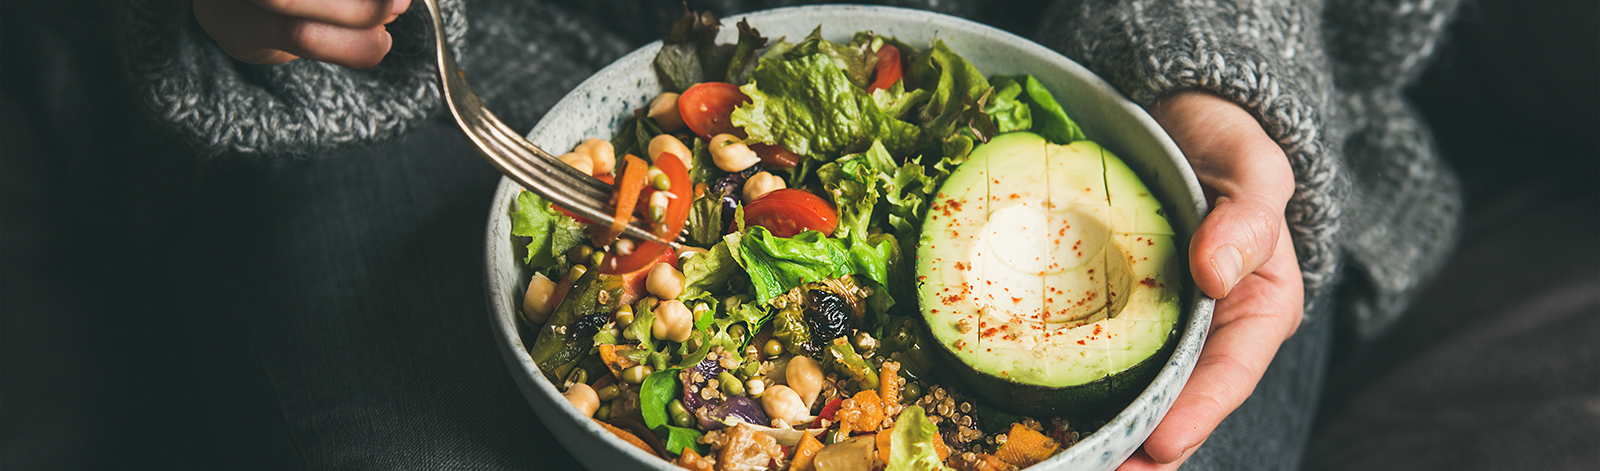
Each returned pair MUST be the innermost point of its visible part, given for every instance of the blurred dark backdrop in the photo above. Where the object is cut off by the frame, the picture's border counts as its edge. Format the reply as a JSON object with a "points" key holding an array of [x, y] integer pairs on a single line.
{"points": [[115, 269]]}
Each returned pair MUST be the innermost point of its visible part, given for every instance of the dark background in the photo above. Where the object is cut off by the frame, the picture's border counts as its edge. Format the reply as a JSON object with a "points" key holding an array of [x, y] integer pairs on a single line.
{"points": [[140, 292]]}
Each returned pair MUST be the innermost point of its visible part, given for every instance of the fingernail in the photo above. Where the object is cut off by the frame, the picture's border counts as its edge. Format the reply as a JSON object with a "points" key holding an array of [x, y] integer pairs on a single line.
{"points": [[1228, 262], [397, 7]]}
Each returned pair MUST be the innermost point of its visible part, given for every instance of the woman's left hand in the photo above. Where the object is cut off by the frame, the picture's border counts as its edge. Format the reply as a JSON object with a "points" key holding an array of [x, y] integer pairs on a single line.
{"points": [[1241, 255], [343, 32]]}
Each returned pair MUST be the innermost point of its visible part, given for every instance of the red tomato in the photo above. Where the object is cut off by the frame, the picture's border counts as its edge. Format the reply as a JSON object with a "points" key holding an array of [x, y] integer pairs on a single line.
{"points": [[645, 253], [888, 70], [830, 409], [706, 107], [790, 211], [774, 155]]}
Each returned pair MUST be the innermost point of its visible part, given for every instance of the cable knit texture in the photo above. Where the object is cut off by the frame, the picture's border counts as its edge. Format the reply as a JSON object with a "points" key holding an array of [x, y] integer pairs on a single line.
{"points": [[226, 106], [1374, 206]]}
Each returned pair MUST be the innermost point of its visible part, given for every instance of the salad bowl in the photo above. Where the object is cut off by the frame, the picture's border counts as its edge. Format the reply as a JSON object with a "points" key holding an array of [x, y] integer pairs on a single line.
{"points": [[600, 105]]}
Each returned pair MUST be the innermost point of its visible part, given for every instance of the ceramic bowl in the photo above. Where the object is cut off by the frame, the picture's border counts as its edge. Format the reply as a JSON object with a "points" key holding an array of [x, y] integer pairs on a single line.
{"points": [[598, 107]]}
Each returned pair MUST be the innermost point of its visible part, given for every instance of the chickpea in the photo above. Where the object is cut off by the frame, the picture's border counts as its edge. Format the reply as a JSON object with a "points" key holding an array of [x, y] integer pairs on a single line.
{"points": [[578, 161], [760, 184], [664, 281], [601, 153], [537, 303], [781, 403], [667, 143], [731, 155], [664, 109], [673, 321], [804, 376], [584, 398]]}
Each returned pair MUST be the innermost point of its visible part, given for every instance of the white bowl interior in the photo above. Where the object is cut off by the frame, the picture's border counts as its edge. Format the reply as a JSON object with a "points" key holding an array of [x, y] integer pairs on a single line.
{"points": [[599, 106]]}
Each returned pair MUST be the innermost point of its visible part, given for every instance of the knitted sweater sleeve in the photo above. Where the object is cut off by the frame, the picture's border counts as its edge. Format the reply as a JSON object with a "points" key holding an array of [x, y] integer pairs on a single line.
{"points": [[226, 106], [1323, 78]]}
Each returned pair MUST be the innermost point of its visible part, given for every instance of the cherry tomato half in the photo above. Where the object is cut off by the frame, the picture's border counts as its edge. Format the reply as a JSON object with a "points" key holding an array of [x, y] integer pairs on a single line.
{"points": [[774, 155], [645, 253], [790, 211], [888, 70], [706, 108]]}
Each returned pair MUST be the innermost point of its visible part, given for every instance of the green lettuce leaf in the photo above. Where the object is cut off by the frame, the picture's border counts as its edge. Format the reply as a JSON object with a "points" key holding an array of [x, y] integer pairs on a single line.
{"points": [[776, 264], [745, 54], [896, 101], [708, 273], [657, 390], [853, 182], [689, 54], [810, 107], [705, 220], [679, 438], [856, 59], [550, 234], [911, 446], [1049, 120], [1008, 112]]}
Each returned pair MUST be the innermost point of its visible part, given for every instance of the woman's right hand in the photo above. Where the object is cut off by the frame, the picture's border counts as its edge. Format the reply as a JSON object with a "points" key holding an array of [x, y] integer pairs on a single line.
{"points": [[344, 32]]}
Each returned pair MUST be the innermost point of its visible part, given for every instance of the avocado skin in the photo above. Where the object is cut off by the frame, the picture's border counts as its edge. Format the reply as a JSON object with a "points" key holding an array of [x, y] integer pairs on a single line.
{"points": [[1109, 394]]}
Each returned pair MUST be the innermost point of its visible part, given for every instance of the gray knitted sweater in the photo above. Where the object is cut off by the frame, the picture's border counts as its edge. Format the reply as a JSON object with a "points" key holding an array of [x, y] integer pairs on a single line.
{"points": [[1374, 212]]}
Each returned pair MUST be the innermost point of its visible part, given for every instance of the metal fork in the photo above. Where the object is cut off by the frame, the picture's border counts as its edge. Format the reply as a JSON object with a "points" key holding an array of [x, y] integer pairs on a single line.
{"points": [[515, 157]]}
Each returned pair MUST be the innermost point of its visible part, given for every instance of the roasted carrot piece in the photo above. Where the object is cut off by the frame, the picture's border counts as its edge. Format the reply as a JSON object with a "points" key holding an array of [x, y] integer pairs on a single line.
{"points": [[693, 461], [627, 196], [1024, 447], [805, 454], [627, 437]]}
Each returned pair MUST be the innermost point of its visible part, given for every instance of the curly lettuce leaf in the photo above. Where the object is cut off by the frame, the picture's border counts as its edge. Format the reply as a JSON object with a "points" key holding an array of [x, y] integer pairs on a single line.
{"points": [[911, 446], [810, 106], [1007, 111], [745, 53], [708, 273], [853, 182], [898, 102], [857, 59], [550, 234], [776, 264], [1049, 119], [689, 54]]}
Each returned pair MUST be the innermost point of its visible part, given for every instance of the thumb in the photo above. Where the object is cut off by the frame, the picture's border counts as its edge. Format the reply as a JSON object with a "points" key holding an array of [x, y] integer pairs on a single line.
{"points": [[1246, 174], [1234, 240]]}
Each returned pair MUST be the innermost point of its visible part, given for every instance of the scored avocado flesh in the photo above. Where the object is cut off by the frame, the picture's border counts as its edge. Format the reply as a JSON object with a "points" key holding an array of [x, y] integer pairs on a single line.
{"points": [[1049, 272]]}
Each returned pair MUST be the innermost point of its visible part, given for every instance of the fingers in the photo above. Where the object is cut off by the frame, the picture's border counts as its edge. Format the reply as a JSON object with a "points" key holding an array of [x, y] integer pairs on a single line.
{"points": [[1245, 174], [1250, 324], [257, 35], [358, 14]]}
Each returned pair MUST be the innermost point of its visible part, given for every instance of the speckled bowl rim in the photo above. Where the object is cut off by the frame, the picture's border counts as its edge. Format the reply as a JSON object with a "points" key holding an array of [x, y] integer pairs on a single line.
{"points": [[1158, 162]]}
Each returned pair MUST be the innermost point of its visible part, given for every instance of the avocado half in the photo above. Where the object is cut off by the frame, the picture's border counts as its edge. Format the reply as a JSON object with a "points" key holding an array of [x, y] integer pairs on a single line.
{"points": [[1050, 276]]}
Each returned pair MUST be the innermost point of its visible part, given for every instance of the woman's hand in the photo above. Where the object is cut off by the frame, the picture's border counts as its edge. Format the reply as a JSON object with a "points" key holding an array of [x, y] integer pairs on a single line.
{"points": [[1242, 255], [343, 32]]}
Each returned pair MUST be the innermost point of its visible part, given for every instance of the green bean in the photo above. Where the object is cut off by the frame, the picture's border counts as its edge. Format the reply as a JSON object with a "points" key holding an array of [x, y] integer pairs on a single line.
{"points": [[910, 392], [604, 412], [679, 414], [637, 373], [608, 393], [730, 385], [772, 348]]}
